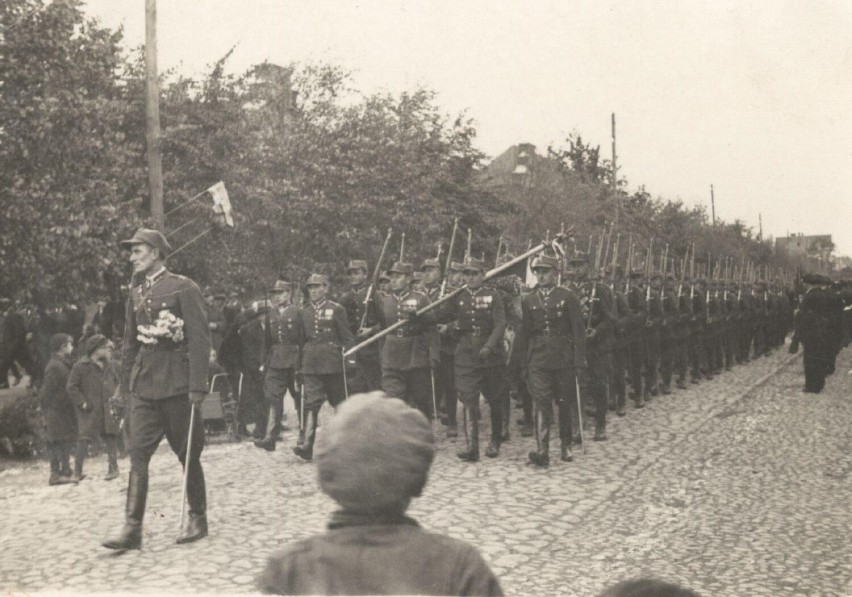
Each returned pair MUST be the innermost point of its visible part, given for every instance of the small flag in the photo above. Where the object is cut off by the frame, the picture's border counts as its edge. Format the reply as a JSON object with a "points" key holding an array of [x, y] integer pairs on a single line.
{"points": [[221, 202]]}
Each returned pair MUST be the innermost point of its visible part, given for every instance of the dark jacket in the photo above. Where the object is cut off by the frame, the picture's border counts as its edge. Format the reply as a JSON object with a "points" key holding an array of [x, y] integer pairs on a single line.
{"points": [[89, 387], [479, 322], [283, 338], [326, 332], [391, 556], [556, 332], [409, 346], [167, 369], [60, 422]]}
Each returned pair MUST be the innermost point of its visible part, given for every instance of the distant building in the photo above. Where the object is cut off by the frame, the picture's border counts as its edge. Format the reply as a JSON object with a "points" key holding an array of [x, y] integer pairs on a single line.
{"points": [[518, 160], [799, 245]]}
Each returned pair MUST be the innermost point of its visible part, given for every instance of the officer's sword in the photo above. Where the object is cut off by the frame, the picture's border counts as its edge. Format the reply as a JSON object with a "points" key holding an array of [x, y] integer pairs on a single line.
{"points": [[434, 400], [580, 414], [186, 464], [346, 384]]}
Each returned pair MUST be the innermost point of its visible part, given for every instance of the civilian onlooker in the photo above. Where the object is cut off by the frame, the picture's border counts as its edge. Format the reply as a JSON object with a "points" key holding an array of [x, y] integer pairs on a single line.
{"points": [[216, 320], [647, 587], [372, 458], [13, 345], [59, 419], [92, 382]]}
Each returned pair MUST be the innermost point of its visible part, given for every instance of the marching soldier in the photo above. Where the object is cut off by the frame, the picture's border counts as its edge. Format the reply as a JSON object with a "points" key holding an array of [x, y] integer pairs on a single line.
{"points": [[761, 316], [669, 305], [682, 339], [620, 353], [732, 308], [368, 366], [282, 325], [596, 307], [406, 356], [445, 375], [478, 319], [326, 334], [653, 325], [165, 374], [713, 330], [697, 355], [746, 332], [556, 357], [635, 335]]}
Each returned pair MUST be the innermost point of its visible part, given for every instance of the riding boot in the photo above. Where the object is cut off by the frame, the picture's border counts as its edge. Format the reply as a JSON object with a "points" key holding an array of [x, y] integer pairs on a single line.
{"points": [[268, 441], [112, 458], [196, 495], [65, 459], [541, 456], [305, 450], [79, 459], [564, 415], [493, 449], [470, 422], [131, 534]]}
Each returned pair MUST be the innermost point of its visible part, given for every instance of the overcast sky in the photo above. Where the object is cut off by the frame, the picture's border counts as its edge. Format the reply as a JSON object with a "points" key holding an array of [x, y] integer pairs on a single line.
{"points": [[754, 97]]}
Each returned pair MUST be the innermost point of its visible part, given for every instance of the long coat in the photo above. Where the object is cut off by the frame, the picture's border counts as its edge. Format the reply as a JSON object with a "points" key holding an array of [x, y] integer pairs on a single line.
{"points": [[60, 422], [89, 387]]}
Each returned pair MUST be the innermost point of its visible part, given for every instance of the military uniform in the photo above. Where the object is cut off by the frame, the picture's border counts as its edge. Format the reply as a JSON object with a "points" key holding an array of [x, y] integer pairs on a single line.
{"points": [[813, 330], [653, 325], [368, 366], [282, 347], [406, 355], [326, 333], [668, 306], [479, 321], [159, 374], [620, 354], [556, 360], [635, 336], [445, 374], [682, 336], [697, 354]]}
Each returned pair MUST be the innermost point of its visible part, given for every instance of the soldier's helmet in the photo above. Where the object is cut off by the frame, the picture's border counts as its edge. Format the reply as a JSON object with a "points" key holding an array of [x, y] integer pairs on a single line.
{"points": [[473, 265], [317, 280], [281, 286], [545, 262], [456, 266], [431, 262], [355, 264], [505, 258], [401, 267]]}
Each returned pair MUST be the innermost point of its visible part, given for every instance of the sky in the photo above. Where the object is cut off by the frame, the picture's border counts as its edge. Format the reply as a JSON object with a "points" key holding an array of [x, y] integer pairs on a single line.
{"points": [[753, 97]]}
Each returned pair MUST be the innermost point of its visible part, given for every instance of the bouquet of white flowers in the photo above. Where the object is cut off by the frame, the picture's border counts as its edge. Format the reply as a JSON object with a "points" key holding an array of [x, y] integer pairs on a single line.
{"points": [[167, 327]]}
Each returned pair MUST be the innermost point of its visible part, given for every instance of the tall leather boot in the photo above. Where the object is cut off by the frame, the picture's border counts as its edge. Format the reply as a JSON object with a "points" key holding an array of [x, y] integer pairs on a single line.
{"points": [[131, 534], [493, 449], [112, 458], [79, 459], [470, 421], [305, 450], [65, 459], [564, 420], [268, 441], [541, 455], [196, 495]]}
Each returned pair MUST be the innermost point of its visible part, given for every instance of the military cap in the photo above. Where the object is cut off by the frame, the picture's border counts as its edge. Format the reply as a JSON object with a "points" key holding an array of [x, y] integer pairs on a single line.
{"points": [[505, 258], [812, 279], [152, 238], [95, 342], [400, 267], [545, 262], [317, 280], [619, 271], [417, 276], [365, 428], [471, 264], [656, 276], [356, 264], [636, 273], [384, 275], [430, 263], [579, 257], [281, 286], [456, 266]]}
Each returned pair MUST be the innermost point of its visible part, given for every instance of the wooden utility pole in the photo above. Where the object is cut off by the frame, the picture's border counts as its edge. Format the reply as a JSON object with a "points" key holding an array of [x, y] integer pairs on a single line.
{"points": [[760, 224], [615, 174], [152, 120], [713, 205]]}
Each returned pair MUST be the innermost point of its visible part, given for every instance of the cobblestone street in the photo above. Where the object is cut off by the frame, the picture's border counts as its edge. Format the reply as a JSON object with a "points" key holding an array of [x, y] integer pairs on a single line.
{"points": [[738, 486]]}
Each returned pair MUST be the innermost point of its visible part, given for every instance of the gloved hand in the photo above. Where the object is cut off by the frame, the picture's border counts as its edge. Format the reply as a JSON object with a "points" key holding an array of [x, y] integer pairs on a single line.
{"points": [[485, 352]]}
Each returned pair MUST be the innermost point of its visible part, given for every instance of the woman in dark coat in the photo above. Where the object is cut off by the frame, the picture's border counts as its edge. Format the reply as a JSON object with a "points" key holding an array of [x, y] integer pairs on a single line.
{"points": [[59, 419], [91, 384]]}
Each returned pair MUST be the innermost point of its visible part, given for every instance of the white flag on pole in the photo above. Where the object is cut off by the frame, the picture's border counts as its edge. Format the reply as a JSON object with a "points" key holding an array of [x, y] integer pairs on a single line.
{"points": [[221, 202]]}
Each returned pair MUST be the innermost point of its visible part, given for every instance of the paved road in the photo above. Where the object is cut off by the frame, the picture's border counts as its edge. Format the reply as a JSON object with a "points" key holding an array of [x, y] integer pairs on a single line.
{"points": [[739, 486]]}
